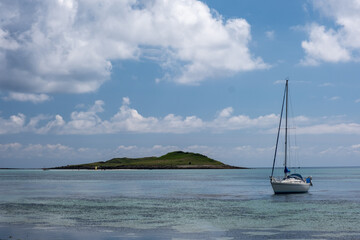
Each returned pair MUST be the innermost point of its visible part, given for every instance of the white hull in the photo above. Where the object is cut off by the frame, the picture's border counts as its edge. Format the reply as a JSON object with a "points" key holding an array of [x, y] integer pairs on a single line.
{"points": [[286, 186]]}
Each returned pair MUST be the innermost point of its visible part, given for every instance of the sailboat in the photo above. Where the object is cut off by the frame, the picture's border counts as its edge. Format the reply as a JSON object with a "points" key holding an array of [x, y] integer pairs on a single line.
{"points": [[290, 183]]}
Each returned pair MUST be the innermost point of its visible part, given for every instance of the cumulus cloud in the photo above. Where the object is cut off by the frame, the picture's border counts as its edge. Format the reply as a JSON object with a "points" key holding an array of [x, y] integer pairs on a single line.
{"points": [[27, 97], [324, 46], [14, 124], [42, 149], [226, 121], [128, 119], [69, 45], [10, 147], [340, 44], [226, 112]]}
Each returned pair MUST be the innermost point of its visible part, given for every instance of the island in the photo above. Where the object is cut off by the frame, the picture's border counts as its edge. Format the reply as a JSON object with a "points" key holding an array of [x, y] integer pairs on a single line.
{"points": [[172, 160]]}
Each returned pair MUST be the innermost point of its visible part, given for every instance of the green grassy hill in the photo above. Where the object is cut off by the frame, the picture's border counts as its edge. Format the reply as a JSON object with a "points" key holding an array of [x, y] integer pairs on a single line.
{"points": [[173, 160]]}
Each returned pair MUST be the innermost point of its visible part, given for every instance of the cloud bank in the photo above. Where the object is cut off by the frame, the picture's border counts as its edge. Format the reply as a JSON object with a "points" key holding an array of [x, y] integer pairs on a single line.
{"points": [[340, 44], [68, 46], [127, 119]]}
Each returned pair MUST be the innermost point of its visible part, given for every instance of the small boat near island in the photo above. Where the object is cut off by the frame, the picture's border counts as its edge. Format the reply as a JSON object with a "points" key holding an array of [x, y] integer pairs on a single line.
{"points": [[290, 183]]}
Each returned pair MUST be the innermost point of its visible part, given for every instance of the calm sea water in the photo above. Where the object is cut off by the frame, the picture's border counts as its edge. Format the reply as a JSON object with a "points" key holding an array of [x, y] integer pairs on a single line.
{"points": [[176, 204]]}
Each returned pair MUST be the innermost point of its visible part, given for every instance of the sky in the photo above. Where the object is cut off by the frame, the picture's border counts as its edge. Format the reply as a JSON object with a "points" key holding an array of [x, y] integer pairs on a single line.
{"points": [[84, 81]]}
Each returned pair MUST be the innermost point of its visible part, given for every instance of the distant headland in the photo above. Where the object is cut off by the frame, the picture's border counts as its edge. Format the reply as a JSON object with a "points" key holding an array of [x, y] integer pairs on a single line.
{"points": [[172, 160]]}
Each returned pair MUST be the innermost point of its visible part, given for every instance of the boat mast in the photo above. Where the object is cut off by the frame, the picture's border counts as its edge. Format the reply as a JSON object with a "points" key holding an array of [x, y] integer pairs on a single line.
{"points": [[286, 126], [278, 134]]}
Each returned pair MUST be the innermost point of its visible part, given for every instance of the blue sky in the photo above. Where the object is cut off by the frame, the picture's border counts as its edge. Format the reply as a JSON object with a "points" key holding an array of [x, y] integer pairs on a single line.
{"points": [[84, 81]]}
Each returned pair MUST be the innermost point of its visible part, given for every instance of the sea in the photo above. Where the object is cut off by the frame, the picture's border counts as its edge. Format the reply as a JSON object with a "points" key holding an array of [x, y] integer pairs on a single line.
{"points": [[176, 204]]}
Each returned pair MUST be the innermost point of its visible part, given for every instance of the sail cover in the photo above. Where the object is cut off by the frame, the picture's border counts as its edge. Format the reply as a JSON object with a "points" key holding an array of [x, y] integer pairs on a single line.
{"points": [[296, 176]]}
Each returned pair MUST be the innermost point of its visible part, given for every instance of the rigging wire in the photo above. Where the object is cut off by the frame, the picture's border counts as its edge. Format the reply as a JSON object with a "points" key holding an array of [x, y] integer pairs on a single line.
{"points": [[295, 152]]}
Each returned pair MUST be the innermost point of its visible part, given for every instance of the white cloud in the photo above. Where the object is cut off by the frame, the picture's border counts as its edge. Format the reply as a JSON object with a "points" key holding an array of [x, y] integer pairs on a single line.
{"points": [[126, 101], [27, 97], [238, 122], [280, 82], [97, 107], [335, 98], [301, 119], [291, 81], [251, 152], [41, 149], [341, 44], [11, 154], [226, 112], [356, 146], [10, 147], [128, 119], [122, 147], [14, 124], [323, 46], [53, 125], [326, 85], [340, 128], [341, 151], [68, 46], [270, 35]]}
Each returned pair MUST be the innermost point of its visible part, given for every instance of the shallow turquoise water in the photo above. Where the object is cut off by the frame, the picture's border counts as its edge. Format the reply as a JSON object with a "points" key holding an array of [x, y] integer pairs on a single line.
{"points": [[176, 204]]}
